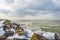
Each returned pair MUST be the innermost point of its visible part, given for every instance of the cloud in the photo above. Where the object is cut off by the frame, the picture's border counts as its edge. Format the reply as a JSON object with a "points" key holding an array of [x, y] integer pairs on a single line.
{"points": [[41, 15], [28, 17], [4, 5], [3, 16], [56, 2], [21, 4], [45, 16], [30, 9], [10, 2]]}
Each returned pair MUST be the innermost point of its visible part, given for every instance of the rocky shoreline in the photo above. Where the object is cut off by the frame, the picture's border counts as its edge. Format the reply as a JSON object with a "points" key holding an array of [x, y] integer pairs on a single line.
{"points": [[14, 31]]}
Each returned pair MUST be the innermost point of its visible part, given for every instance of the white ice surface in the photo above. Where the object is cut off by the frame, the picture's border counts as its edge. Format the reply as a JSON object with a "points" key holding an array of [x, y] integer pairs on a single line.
{"points": [[28, 33], [48, 35], [26, 36], [1, 31], [16, 36], [1, 23], [12, 30]]}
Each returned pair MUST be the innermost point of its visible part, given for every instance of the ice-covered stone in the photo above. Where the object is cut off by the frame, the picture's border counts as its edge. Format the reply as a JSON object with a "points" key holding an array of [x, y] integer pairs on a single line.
{"points": [[28, 33], [14, 31], [1, 31], [9, 33], [37, 37], [3, 37], [17, 37], [48, 35]]}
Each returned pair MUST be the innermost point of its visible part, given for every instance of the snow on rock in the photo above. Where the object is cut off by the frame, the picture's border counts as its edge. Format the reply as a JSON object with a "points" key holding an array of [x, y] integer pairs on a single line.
{"points": [[12, 30], [16, 36], [1, 32], [28, 33], [48, 35], [1, 23]]}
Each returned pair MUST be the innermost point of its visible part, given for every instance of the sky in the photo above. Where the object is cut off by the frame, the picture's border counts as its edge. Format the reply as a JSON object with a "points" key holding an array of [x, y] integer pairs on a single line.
{"points": [[29, 9]]}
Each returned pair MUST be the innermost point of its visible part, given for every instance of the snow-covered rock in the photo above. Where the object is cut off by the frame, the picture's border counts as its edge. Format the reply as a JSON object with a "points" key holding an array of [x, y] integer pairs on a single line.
{"points": [[1, 32], [1, 23], [16, 36], [48, 35], [27, 32]]}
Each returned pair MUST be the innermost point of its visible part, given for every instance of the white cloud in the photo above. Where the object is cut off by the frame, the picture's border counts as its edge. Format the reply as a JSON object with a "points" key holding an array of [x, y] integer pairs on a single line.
{"points": [[12, 14], [29, 17], [45, 16], [21, 4], [4, 5], [3, 16], [56, 2], [39, 16]]}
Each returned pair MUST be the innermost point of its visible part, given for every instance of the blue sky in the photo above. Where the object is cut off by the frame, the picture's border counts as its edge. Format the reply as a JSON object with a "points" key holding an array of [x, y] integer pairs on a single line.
{"points": [[30, 9]]}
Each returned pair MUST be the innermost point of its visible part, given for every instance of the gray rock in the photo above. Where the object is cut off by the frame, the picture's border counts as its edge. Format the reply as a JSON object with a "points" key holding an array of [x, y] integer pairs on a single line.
{"points": [[19, 39], [3, 37], [9, 33]]}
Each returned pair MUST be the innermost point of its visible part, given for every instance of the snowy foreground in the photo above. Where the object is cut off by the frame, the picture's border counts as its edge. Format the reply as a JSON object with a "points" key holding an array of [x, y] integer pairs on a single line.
{"points": [[27, 33]]}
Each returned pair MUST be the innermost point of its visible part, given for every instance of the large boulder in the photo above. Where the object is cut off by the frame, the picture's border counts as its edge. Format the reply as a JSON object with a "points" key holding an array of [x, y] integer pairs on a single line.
{"points": [[6, 21], [19, 31], [3, 37], [56, 36], [7, 25], [37, 37], [9, 33], [51, 36], [19, 39]]}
